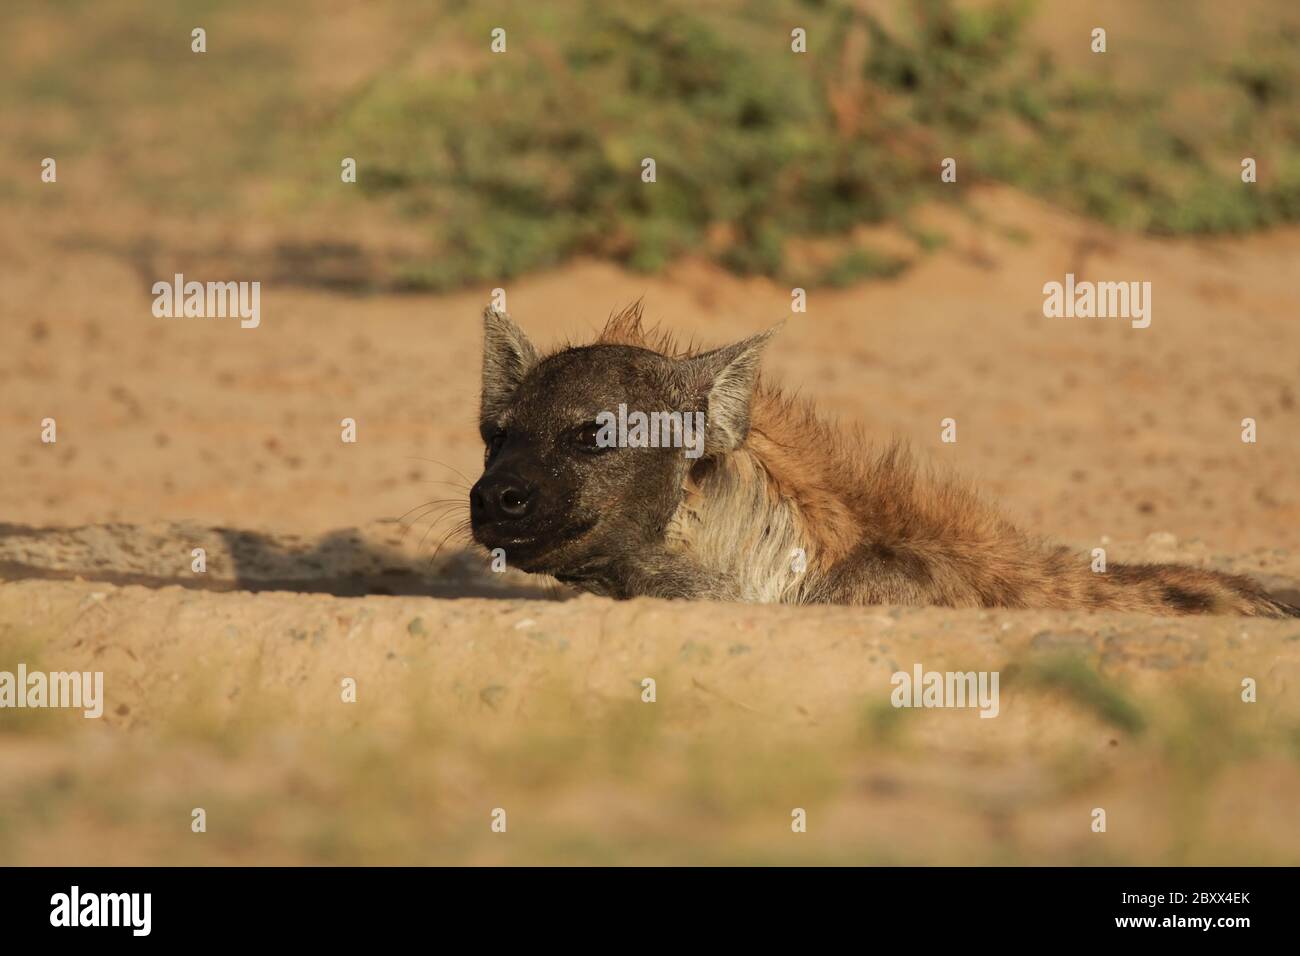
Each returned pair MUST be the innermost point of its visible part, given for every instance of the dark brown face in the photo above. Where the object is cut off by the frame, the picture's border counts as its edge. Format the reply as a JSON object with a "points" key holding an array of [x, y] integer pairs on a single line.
{"points": [[552, 496]]}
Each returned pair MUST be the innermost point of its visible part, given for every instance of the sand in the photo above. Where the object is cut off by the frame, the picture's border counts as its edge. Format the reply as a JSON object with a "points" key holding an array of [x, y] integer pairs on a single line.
{"points": [[477, 691]]}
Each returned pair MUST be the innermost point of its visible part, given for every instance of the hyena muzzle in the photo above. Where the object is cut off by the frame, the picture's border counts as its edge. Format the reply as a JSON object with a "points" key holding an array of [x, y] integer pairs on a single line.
{"points": [[775, 506]]}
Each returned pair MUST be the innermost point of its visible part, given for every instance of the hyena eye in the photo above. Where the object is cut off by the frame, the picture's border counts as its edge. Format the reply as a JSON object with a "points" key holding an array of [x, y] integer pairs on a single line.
{"points": [[493, 446], [587, 437]]}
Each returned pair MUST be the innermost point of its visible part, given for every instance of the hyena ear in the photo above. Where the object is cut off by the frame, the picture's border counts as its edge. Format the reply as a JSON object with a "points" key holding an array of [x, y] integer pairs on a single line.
{"points": [[507, 357], [728, 375]]}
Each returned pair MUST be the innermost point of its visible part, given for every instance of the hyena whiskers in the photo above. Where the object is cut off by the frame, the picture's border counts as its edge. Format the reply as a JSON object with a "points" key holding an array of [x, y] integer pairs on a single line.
{"points": [[779, 507]]}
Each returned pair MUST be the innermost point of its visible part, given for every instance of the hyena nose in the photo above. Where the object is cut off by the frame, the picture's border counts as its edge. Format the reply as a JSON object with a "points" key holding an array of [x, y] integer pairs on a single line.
{"points": [[505, 498], [513, 502]]}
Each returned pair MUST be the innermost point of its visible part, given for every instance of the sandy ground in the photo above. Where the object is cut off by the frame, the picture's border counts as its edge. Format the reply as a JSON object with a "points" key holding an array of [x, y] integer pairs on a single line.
{"points": [[479, 691], [231, 703]]}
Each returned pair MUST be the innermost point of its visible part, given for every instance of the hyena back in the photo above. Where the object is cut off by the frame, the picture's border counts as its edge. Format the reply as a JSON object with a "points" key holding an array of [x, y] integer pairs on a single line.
{"points": [[779, 507]]}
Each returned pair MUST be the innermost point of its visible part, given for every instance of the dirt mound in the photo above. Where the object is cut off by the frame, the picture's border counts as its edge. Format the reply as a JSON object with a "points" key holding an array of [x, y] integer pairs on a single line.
{"points": [[234, 703]]}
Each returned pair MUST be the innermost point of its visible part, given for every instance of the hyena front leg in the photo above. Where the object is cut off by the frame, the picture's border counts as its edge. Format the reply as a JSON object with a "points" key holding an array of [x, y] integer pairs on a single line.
{"points": [[658, 574], [670, 575]]}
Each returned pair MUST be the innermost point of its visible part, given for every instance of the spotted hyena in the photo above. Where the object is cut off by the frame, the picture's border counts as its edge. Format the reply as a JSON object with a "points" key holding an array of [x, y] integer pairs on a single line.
{"points": [[775, 506]]}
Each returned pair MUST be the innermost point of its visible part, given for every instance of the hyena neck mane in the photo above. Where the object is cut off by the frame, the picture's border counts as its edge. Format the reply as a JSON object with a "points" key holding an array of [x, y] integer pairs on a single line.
{"points": [[780, 506], [804, 512]]}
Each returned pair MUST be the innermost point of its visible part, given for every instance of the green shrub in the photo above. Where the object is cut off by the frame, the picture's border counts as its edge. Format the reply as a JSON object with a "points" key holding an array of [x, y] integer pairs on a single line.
{"points": [[522, 160]]}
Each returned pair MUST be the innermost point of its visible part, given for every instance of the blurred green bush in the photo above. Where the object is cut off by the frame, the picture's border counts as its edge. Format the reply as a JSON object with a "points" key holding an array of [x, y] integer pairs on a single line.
{"points": [[520, 160]]}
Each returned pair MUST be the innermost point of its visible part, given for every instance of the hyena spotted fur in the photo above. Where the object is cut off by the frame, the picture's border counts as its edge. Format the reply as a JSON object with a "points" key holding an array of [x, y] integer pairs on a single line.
{"points": [[774, 480]]}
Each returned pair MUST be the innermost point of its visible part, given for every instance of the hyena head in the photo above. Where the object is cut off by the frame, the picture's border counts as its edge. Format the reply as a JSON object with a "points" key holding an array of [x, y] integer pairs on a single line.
{"points": [[554, 495]]}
